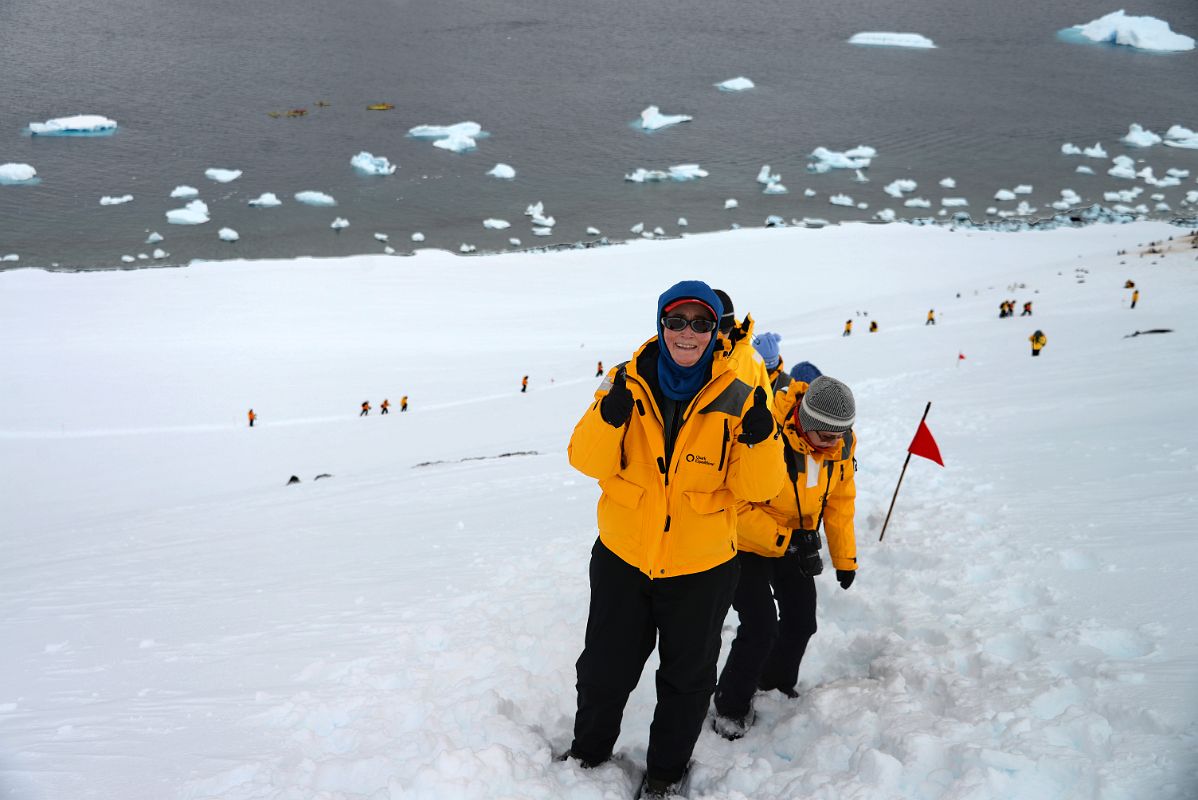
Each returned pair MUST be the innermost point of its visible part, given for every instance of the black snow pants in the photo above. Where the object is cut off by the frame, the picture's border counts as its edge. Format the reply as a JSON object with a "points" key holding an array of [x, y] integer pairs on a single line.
{"points": [[769, 642], [627, 613]]}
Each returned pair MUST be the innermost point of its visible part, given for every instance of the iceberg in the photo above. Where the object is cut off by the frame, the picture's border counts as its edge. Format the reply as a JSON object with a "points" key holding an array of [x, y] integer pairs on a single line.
{"points": [[107, 200], [154, 238], [494, 224], [535, 210], [1139, 137], [888, 39], [886, 215], [637, 228], [859, 177], [948, 183], [372, 164], [10, 257], [382, 237], [1096, 151], [222, 175], [917, 202], [897, 187], [1174, 172], [809, 193], [194, 213], [417, 237], [764, 176], [730, 203], [740, 84], [542, 231], [841, 200], [1125, 196], [1004, 194], [1125, 167], [859, 157], [159, 253], [1142, 33], [1082, 168], [775, 188], [1069, 199], [339, 224], [953, 202], [1023, 188], [79, 125], [184, 192], [389, 250], [1070, 149], [467, 248], [682, 222], [128, 259], [310, 198], [1178, 136], [266, 200], [12, 174], [514, 242], [502, 171], [228, 235], [653, 120], [457, 138], [542, 221], [592, 231]]}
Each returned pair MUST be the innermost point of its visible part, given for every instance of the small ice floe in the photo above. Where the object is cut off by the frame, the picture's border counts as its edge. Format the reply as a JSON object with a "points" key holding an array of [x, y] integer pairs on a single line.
{"points": [[859, 177], [682, 223], [1137, 136], [108, 200], [815, 222], [1125, 196], [1069, 199], [863, 206], [741, 84], [766, 177], [339, 224], [159, 253], [730, 203], [10, 257], [1178, 136], [1070, 149], [417, 237], [678, 172], [653, 120], [592, 231], [774, 188], [389, 250], [775, 221], [888, 39], [886, 215], [658, 231], [896, 187], [128, 259], [228, 235], [1024, 208], [382, 237], [1124, 167], [1082, 168], [79, 125], [637, 228], [536, 209], [917, 202], [12, 174], [266, 200], [496, 224], [154, 238], [1191, 197], [194, 213], [1097, 151], [542, 221], [542, 231], [1004, 194], [1023, 188], [948, 183], [457, 138], [311, 198], [514, 242], [184, 192], [370, 164], [1162, 207], [502, 171], [992, 210], [1142, 33], [859, 157], [953, 202], [1157, 197], [222, 175], [467, 248], [841, 200], [647, 234], [1174, 172]]}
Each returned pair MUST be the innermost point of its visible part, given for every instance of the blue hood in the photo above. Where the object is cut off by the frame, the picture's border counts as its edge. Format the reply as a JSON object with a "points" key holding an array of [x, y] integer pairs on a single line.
{"points": [[678, 382]]}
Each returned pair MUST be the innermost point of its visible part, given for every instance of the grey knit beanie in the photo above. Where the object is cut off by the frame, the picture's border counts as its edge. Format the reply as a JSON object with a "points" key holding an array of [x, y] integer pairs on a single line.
{"points": [[827, 405]]}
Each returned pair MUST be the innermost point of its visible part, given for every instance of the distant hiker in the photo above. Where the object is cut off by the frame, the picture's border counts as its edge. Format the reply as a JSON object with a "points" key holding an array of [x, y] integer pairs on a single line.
{"points": [[873, 326], [524, 384], [385, 406], [779, 544], [671, 583], [931, 317], [1004, 309], [365, 408], [1129, 284], [1134, 297], [1027, 309], [599, 370], [252, 417], [403, 404], [1038, 340], [766, 346], [848, 328]]}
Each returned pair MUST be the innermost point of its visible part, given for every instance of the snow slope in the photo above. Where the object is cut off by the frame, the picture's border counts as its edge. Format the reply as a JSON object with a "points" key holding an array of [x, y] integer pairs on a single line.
{"points": [[179, 623]]}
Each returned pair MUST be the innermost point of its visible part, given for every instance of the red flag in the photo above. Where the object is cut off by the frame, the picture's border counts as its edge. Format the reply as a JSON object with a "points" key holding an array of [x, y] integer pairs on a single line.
{"points": [[960, 356], [924, 446]]}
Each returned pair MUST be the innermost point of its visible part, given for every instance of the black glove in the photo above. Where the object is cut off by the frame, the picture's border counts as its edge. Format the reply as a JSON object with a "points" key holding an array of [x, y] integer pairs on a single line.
{"points": [[804, 548], [616, 407], [758, 422], [845, 576]]}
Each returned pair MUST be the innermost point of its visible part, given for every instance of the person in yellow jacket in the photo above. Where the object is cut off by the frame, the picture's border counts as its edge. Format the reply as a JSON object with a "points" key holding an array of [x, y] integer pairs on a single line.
{"points": [[779, 545], [1135, 298], [675, 439], [848, 328], [931, 320], [1038, 340], [403, 404]]}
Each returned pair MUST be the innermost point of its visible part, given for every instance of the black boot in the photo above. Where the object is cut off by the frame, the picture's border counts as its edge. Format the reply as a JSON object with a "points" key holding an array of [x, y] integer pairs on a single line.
{"points": [[658, 789]]}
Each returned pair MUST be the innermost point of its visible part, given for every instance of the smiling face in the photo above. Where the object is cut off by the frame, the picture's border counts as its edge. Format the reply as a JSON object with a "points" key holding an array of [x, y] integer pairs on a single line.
{"points": [[685, 346]]}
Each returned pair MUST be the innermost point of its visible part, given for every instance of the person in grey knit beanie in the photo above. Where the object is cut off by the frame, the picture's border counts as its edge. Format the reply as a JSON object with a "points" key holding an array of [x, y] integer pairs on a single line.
{"points": [[828, 405]]}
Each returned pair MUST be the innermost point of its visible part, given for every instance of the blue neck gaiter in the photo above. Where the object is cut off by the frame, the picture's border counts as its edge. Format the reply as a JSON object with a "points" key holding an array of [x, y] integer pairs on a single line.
{"points": [[678, 382]]}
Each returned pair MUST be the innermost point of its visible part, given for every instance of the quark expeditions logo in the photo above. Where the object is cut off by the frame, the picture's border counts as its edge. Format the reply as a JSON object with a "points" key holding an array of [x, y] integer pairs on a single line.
{"points": [[691, 458]]}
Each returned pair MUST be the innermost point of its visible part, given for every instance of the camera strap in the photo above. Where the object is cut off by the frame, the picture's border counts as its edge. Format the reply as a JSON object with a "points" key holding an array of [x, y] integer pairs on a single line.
{"points": [[792, 470]]}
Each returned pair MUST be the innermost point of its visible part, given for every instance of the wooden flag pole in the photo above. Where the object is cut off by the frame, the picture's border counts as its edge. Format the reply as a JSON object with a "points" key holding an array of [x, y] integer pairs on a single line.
{"points": [[901, 474]]}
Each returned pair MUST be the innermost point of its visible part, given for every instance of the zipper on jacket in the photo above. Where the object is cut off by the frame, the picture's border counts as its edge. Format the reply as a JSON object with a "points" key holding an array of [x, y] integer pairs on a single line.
{"points": [[724, 447], [667, 528], [661, 466]]}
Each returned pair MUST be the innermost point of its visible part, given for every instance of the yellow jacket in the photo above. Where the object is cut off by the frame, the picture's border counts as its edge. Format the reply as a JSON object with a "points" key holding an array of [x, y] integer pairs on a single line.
{"points": [[1038, 341], [765, 527], [678, 518]]}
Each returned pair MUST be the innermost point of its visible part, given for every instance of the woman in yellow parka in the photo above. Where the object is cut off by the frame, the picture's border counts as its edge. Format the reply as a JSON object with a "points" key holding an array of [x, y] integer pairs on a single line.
{"points": [[675, 439], [780, 548]]}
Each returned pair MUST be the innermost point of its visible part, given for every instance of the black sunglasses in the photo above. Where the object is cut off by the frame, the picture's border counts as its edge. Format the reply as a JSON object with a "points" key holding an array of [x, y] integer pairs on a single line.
{"points": [[680, 323]]}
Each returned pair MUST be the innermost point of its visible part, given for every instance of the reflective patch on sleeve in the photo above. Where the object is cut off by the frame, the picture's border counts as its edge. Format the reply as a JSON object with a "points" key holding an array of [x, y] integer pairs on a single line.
{"points": [[731, 400]]}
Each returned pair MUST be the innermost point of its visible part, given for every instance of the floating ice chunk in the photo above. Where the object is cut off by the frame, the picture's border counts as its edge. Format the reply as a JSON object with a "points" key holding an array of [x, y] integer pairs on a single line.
{"points": [[858, 158], [1023, 188], [859, 177], [658, 231], [917, 202], [382, 237], [159, 253], [79, 125], [1162, 207], [542, 221], [194, 213], [514, 242], [1178, 136], [1158, 197], [154, 238], [222, 175], [311, 198], [417, 237], [496, 224], [1004, 194], [536, 209], [1142, 33], [679, 172], [10, 257], [1125, 196], [809, 193], [953, 202], [682, 222], [863, 206], [228, 235], [992, 210], [1082, 168], [888, 39], [502, 171], [764, 176], [340, 223], [1096, 151], [775, 188], [740, 84], [948, 183], [841, 200], [592, 231], [1070, 149], [266, 200], [372, 164], [1124, 167], [11, 174], [1024, 209], [128, 259], [775, 221], [730, 203], [652, 119], [1191, 197], [389, 250], [467, 248], [687, 172], [183, 192], [815, 222], [896, 187], [1139, 137], [108, 200], [886, 215], [1174, 172], [1069, 199], [542, 231], [637, 228], [458, 138]]}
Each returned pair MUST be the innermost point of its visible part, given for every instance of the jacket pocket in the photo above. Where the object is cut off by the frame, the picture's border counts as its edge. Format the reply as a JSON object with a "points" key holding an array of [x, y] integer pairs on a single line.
{"points": [[710, 502], [622, 492]]}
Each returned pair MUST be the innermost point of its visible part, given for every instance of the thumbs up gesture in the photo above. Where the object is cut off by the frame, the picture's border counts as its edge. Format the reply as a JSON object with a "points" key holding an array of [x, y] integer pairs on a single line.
{"points": [[758, 423], [616, 407]]}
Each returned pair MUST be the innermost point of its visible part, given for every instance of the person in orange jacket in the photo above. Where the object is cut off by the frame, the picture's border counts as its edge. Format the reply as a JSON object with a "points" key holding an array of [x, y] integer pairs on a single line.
{"points": [[1038, 340], [365, 408], [599, 370], [385, 406], [848, 328], [524, 384], [252, 417], [675, 438], [1135, 296], [403, 404], [1027, 309], [931, 320]]}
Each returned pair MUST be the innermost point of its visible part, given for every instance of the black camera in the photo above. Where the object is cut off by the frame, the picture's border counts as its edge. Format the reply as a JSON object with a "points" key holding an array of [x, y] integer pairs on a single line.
{"points": [[804, 546]]}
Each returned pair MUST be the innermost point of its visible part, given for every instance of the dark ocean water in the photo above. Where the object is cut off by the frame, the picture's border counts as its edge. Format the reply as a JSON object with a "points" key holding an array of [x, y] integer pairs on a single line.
{"points": [[556, 85]]}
